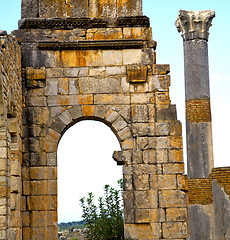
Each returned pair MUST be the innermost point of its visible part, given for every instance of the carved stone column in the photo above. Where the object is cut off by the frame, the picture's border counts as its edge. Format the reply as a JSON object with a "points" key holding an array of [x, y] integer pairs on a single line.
{"points": [[194, 26]]}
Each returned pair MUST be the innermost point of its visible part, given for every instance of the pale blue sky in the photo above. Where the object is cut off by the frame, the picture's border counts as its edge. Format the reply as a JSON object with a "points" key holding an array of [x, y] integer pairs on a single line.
{"points": [[169, 51]]}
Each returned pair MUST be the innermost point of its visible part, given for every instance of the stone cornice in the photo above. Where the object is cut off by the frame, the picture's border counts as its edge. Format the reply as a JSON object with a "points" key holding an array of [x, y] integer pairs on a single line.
{"points": [[97, 44], [194, 24], [72, 23]]}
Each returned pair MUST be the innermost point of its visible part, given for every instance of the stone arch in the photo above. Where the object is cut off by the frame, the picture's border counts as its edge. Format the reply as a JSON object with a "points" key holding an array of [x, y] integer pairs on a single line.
{"points": [[109, 116]]}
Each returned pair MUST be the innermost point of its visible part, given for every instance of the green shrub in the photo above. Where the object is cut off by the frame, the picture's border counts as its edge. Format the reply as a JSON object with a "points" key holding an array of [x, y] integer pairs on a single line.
{"points": [[105, 221]]}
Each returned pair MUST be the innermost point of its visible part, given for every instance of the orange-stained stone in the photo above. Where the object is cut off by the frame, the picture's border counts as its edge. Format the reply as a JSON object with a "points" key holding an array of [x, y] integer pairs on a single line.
{"points": [[85, 99], [51, 146], [53, 135], [42, 203], [63, 86], [3, 190], [88, 110], [26, 233], [39, 173], [25, 219]]}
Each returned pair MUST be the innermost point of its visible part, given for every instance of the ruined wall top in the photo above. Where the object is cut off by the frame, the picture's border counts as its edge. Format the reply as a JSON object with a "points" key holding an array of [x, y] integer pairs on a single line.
{"points": [[80, 8], [194, 24]]}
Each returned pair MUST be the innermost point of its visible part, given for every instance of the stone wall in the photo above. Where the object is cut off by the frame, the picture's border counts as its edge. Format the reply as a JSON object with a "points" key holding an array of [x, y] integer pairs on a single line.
{"points": [[102, 69], [10, 137], [81, 8]]}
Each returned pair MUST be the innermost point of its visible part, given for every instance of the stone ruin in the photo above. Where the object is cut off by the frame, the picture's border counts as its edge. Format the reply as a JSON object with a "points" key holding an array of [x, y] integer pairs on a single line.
{"points": [[76, 60]]}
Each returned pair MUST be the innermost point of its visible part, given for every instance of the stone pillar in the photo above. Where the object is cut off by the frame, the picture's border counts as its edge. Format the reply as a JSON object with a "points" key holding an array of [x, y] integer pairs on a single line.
{"points": [[194, 26]]}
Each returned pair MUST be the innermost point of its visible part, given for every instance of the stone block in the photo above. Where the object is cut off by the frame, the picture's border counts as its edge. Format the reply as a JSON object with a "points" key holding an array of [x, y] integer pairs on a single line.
{"points": [[149, 156], [106, 8], [167, 182], [176, 142], [143, 231], [53, 136], [132, 56], [124, 133], [112, 99], [119, 124], [142, 143], [162, 156], [25, 219], [76, 112], [88, 110], [172, 198], [175, 230], [99, 85], [159, 83], [42, 203], [151, 112], [139, 98], [62, 100], [15, 184], [112, 57], [125, 85], [66, 117], [76, 72], [97, 71], [116, 70], [139, 113], [162, 129], [182, 183], [137, 157], [104, 33], [142, 216], [139, 88], [93, 58], [54, 72], [38, 188], [146, 199], [162, 142], [63, 86], [127, 182], [73, 86], [43, 173], [111, 115], [128, 199], [173, 168], [176, 155], [127, 8], [127, 169], [128, 144], [176, 214], [30, 9], [141, 182], [137, 73], [36, 101]]}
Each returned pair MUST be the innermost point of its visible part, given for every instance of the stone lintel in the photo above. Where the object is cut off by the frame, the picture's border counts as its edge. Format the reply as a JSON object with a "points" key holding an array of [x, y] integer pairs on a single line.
{"points": [[85, 23], [194, 24], [96, 44]]}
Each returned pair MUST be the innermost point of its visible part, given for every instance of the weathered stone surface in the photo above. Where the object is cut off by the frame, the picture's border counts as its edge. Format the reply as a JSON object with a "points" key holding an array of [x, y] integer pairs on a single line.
{"points": [[171, 198], [77, 66]]}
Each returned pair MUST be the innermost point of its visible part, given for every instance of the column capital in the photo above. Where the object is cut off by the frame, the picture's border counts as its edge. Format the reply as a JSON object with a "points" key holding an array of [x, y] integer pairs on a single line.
{"points": [[194, 24]]}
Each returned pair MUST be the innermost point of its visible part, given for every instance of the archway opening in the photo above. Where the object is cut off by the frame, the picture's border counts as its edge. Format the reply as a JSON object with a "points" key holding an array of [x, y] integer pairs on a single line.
{"points": [[85, 165]]}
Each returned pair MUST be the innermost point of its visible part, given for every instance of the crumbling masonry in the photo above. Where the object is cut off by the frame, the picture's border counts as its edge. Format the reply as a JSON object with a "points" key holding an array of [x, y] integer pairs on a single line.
{"points": [[76, 60]]}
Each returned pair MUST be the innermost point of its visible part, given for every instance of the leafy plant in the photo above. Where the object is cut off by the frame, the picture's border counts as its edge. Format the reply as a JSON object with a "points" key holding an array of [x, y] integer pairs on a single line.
{"points": [[105, 221]]}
